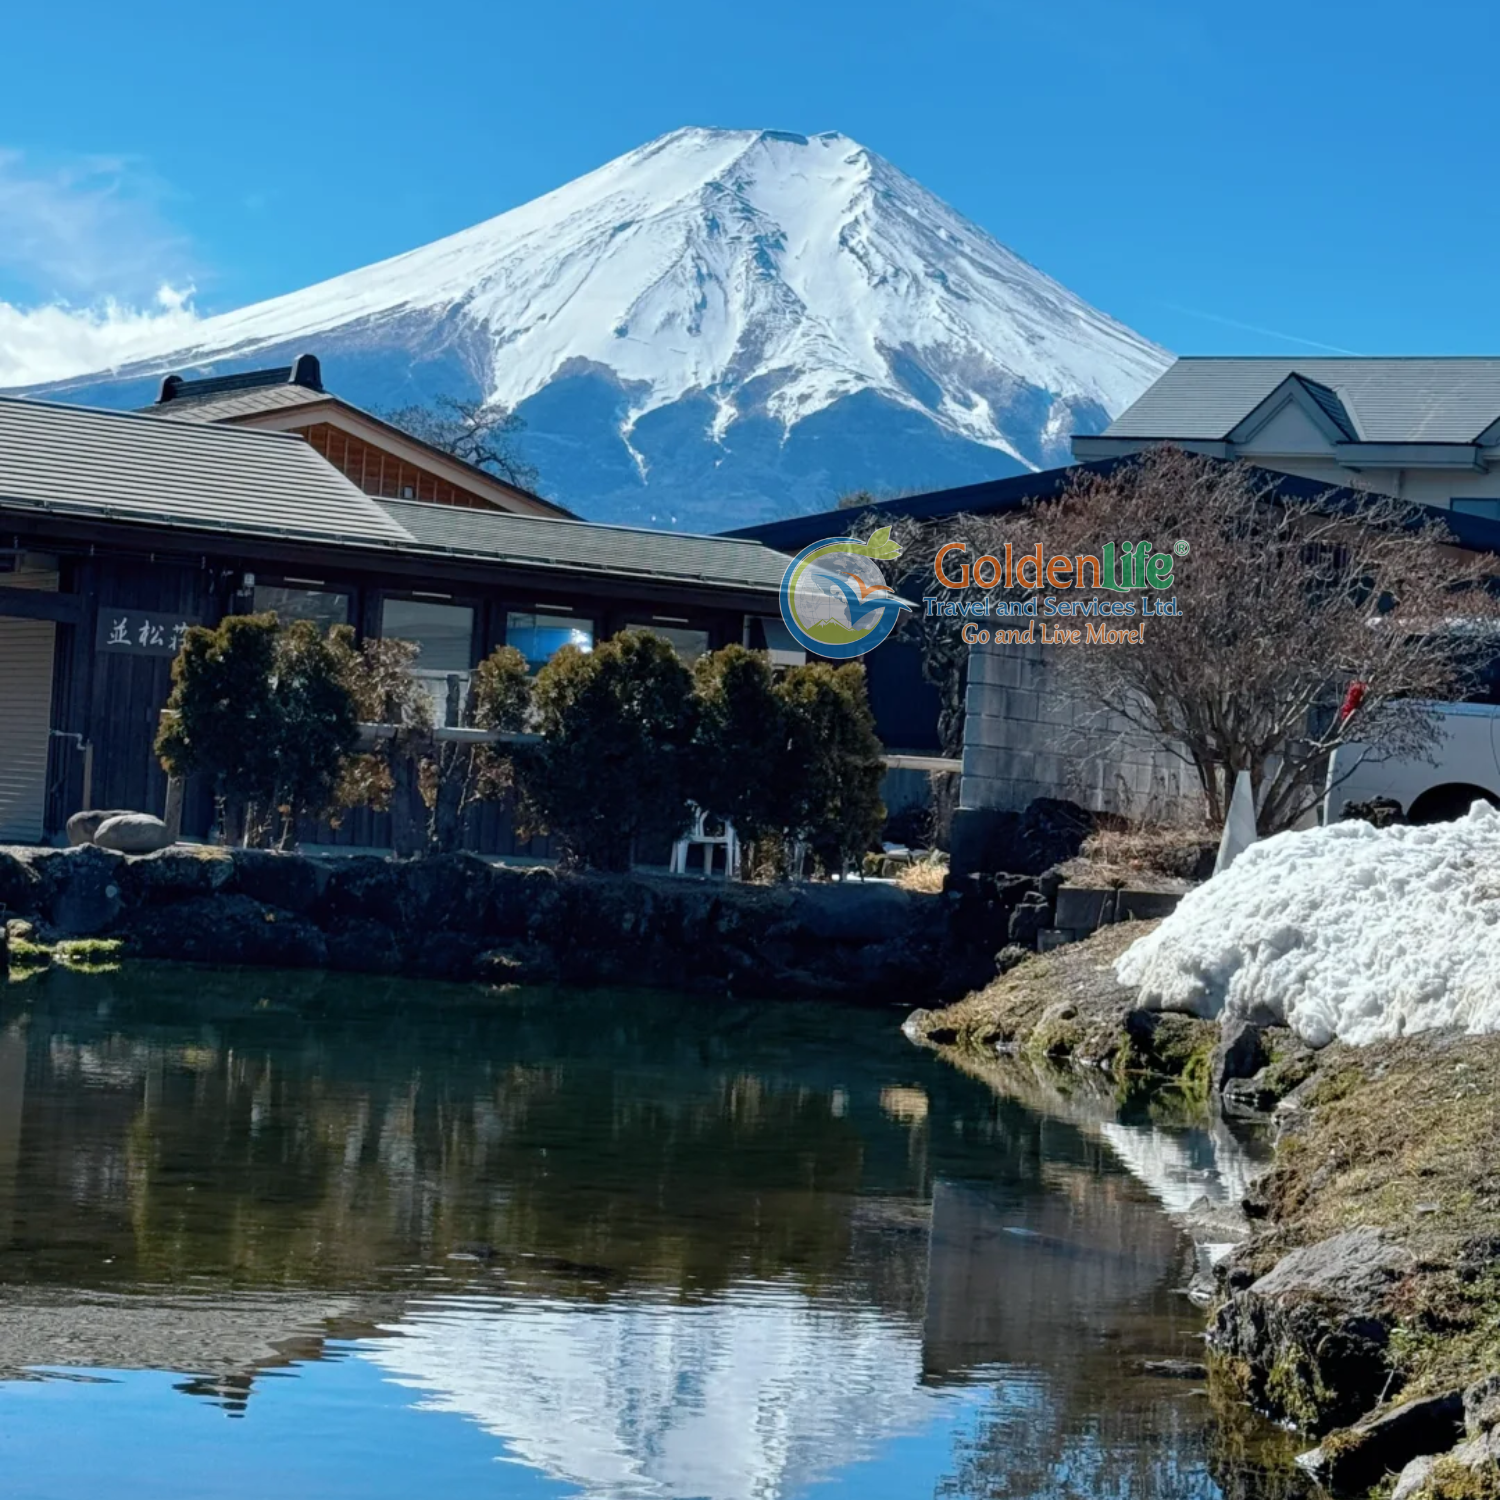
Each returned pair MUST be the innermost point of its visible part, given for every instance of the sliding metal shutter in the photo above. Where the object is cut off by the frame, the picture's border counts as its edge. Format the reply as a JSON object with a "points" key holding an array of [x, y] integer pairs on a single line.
{"points": [[26, 655]]}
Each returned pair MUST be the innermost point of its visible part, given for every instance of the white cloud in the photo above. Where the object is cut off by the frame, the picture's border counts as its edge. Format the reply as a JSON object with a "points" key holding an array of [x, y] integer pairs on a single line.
{"points": [[96, 274], [55, 342]]}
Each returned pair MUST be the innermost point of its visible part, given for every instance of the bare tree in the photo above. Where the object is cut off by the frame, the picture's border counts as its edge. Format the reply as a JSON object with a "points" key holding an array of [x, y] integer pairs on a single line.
{"points": [[482, 433], [1304, 624]]}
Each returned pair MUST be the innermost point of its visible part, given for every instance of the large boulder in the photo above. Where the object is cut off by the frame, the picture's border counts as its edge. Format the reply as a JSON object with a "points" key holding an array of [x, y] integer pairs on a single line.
{"points": [[852, 911], [78, 892], [1361, 1456], [1049, 831], [133, 833], [1482, 1406], [1310, 1336], [225, 929], [1241, 1052], [1471, 1469], [291, 881], [175, 874], [520, 892], [82, 826], [21, 887], [362, 946], [447, 891], [1027, 920]]}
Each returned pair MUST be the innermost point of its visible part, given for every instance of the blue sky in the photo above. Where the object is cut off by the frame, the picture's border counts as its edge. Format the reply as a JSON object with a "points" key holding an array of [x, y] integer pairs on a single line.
{"points": [[1282, 177]]}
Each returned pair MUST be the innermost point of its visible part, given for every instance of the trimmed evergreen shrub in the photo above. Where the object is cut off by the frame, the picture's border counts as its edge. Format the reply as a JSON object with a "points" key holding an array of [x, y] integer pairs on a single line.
{"points": [[613, 773], [264, 714]]}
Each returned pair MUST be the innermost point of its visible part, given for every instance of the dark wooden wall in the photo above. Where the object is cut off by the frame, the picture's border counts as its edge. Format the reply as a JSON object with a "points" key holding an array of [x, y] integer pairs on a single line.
{"points": [[489, 828], [115, 699]]}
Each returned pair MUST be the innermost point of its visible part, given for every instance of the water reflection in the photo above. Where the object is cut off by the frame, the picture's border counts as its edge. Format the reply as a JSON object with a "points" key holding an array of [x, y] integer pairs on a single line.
{"points": [[646, 1245], [761, 1394]]}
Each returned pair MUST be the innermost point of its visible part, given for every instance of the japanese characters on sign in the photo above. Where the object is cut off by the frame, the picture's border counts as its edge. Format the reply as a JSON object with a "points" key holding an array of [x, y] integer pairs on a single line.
{"points": [[140, 632]]}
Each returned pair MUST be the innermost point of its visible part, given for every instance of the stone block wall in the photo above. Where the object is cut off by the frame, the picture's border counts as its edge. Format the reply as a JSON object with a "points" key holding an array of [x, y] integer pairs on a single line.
{"points": [[1026, 736]]}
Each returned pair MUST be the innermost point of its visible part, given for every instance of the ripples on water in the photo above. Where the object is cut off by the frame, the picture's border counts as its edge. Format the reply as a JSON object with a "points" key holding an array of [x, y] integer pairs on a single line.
{"points": [[290, 1235]]}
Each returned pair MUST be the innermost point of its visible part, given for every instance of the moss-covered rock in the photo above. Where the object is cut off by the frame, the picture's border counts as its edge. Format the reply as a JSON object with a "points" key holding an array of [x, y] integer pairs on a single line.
{"points": [[1311, 1337]]}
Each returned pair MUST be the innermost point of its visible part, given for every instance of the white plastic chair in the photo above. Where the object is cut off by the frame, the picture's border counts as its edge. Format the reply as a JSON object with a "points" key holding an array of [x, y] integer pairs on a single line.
{"points": [[699, 836]]}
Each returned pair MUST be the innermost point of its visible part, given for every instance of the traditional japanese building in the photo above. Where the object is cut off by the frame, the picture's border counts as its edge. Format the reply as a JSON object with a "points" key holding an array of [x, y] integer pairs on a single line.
{"points": [[381, 459], [118, 530]]}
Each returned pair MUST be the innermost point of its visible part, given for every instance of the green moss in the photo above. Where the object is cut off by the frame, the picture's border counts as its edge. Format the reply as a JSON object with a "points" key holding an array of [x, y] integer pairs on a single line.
{"points": [[1288, 1068], [90, 955], [1334, 1085], [80, 953], [1176, 1048], [1055, 1036], [1296, 1391], [1196, 1078], [1451, 1480], [1341, 1441], [1449, 1329]]}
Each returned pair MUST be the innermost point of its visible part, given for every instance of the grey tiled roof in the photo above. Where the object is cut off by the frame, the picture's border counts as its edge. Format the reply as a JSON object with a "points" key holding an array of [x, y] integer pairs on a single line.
{"points": [[237, 481], [1416, 400], [228, 405], [578, 546], [75, 460], [1329, 400]]}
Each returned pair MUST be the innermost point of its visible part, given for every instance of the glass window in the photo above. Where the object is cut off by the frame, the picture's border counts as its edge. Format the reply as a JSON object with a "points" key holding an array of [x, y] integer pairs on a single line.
{"points": [[769, 634], [539, 637], [324, 607], [444, 636], [690, 644], [1488, 510], [445, 632]]}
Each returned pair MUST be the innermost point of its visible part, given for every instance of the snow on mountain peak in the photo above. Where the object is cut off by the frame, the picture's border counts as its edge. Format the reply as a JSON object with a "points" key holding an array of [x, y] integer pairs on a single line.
{"points": [[755, 274]]}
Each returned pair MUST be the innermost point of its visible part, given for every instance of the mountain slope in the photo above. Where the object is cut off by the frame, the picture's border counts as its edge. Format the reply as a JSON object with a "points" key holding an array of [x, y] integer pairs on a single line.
{"points": [[716, 328]]}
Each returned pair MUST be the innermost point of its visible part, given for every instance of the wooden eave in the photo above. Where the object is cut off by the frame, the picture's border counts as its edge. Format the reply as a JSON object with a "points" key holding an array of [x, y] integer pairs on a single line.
{"points": [[370, 429]]}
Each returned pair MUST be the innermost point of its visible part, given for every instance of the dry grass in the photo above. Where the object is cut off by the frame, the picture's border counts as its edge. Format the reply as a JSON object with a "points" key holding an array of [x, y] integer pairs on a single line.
{"points": [[1011, 1009], [1405, 1136], [1150, 856], [926, 877]]}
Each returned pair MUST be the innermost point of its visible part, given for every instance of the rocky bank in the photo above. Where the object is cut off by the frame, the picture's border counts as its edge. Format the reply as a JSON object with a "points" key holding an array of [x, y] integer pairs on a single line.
{"points": [[461, 917], [1362, 1306]]}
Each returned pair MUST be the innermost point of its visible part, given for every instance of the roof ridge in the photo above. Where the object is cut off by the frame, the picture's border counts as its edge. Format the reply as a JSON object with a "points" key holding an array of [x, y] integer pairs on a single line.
{"points": [[509, 515], [181, 423]]}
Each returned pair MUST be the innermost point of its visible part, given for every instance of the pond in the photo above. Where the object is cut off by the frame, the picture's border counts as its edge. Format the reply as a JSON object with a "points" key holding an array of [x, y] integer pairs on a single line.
{"points": [[290, 1234]]}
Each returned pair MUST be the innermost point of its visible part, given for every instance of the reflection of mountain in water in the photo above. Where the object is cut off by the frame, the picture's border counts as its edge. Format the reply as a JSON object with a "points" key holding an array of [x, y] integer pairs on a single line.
{"points": [[756, 1395], [657, 1247], [761, 1392]]}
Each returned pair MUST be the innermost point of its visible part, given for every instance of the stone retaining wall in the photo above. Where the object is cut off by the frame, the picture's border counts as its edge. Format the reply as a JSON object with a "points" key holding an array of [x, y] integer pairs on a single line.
{"points": [[459, 917]]}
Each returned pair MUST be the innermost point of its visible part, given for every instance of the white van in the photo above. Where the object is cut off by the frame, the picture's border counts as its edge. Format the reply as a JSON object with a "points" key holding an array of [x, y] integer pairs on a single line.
{"points": [[1464, 767]]}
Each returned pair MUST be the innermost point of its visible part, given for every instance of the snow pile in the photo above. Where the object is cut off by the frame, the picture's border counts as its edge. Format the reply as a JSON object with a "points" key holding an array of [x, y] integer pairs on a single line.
{"points": [[1347, 932]]}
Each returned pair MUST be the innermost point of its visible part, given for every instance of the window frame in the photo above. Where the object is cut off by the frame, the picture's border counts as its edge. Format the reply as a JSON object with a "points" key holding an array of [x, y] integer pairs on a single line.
{"points": [[470, 602], [659, 625], [298, 584], [562, 615]]}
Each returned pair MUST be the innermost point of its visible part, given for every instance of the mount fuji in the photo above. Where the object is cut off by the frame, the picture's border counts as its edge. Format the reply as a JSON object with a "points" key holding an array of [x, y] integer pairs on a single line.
{"points": [[718, 328]]}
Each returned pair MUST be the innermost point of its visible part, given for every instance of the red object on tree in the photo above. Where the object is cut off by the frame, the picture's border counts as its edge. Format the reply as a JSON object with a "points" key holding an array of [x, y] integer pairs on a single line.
{"points": [[1352, 699]]}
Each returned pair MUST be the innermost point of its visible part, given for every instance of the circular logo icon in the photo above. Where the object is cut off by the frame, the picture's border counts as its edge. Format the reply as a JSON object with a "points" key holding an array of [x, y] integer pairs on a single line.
{"points": [[834, 598]]}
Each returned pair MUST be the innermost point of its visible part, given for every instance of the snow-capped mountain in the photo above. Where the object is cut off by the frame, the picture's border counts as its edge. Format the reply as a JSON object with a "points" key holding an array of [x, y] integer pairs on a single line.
{"points": [[717, 328]]}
